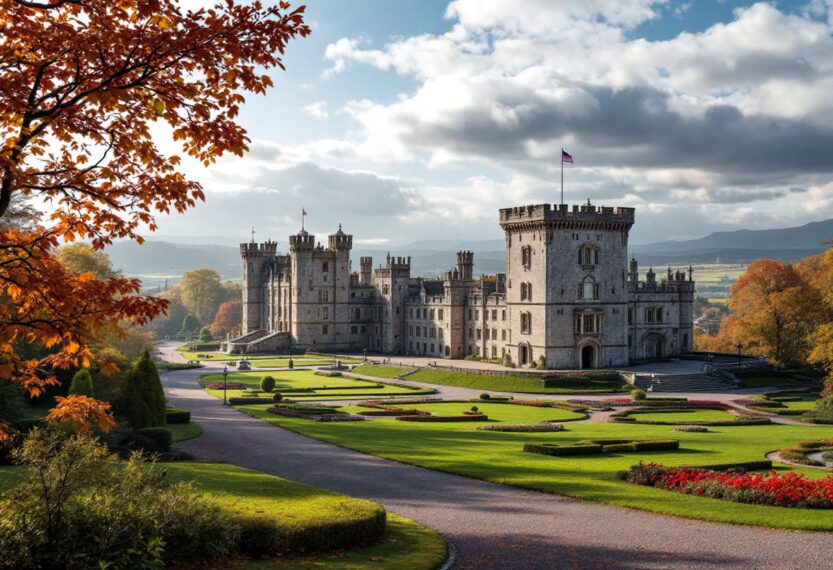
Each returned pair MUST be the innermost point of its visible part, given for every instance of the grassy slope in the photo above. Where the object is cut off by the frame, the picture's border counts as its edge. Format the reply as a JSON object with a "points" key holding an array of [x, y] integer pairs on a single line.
{"points": [[307, 379], [498, 457], [407, 544], [505, 383], [181, 432], [380, 371]]}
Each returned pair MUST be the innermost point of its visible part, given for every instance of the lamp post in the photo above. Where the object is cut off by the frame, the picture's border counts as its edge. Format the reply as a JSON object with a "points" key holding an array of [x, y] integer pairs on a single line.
{"points": [[740, 348], [365, 354], [225, 384]]}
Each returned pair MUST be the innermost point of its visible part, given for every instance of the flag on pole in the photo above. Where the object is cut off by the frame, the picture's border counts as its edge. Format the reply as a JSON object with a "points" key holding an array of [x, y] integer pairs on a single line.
{"points": [[565, 156]]}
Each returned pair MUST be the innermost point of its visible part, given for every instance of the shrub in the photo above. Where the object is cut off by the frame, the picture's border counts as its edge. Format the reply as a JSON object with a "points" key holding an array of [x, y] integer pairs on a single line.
{"points": [[267, 383], [142, 402], [245, 401], [162, 438], [695, 429], [177, 416], [485, 396], [474, 409], [12, 401], [827, 386], [79, 507], [823, 409], [555, 450], [205, 334], [638, 394], [259, 536], [542, 362], [82, 384], [524, 428], [277, 397]]}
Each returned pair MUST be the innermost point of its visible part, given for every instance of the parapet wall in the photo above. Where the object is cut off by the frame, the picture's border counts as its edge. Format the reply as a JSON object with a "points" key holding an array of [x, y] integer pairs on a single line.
{"points": [[575, 215]]}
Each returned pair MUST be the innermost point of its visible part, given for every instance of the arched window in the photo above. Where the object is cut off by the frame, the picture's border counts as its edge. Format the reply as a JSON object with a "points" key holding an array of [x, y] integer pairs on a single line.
{"points": [[588, 255], [588, 289]]}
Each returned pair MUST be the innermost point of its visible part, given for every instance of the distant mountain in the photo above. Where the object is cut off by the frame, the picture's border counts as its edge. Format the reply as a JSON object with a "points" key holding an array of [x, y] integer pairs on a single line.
{"points": [[158, 261], [741, 246]]}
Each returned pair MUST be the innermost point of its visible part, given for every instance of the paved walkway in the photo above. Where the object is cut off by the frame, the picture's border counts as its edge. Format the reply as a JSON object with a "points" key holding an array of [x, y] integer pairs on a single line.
{"points": [[492, 526]]}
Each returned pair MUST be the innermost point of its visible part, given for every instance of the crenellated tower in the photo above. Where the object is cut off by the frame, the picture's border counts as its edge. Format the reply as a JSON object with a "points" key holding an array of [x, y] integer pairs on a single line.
{"points": [[257, 259]]}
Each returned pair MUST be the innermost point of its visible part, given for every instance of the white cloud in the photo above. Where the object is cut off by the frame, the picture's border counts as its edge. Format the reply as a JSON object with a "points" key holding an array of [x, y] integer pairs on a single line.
{"points": [[318, 110]]}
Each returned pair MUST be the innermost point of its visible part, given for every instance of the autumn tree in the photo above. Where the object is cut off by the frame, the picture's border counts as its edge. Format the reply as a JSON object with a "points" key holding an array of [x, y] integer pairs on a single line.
{"points": [[202, 292], [82, 84], [229, 318], [772, 308], [82, 258]]}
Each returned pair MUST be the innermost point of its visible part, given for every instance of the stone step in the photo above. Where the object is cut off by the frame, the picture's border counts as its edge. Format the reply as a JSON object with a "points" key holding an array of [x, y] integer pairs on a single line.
{"points": [[685, 383]]}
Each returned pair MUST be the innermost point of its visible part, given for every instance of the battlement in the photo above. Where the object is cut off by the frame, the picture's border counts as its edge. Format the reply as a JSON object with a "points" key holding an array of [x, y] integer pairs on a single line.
{"points": [[251, 248], [399, 263], [340, 240], [302, 241], [574, 216]]}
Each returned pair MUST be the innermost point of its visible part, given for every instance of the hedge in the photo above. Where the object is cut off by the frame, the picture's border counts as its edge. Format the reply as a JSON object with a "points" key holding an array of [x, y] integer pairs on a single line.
{"points": [[596, 446], [467, 418], [243, 401], [523, 428], [265, 536], [177, 416], [740, 422], [328, 373]]}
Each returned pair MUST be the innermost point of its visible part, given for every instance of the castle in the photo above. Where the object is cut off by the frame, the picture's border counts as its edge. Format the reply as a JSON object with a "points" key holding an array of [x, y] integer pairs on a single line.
{"points": [[569, 296]]}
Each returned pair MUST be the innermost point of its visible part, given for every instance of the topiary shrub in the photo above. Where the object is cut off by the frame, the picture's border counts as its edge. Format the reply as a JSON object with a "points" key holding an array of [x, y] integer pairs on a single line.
{"points": [[277, 397], [260, 536], [142, 400], [82, 384], [267, 383], [474, 409], [638, 394], [162, 438], [485, 396], [542, 362], [177, 416]]}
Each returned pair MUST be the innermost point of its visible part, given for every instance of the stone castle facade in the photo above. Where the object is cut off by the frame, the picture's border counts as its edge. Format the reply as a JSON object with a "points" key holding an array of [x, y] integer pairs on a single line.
{"points": [[568, 295]]}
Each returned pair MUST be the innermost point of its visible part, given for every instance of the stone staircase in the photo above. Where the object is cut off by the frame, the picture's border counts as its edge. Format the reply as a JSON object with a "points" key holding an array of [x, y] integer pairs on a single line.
{"points": [[684, 383]]}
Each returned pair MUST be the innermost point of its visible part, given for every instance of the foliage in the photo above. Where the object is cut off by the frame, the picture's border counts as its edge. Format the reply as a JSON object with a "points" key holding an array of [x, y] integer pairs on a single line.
{"points": [[596, 446], [783, 490], [190, 324], [277, 397], [524, 428], [80, 414], [162, 438], [267, 383], [202, 293], [82, 384], [82, 258], [485, 396], [142, 401], [205, 335], [638, 394], [76, 109], [823, 409], [229, 318], [79, 507], [177, 416], [827, 386], [12, 401]]}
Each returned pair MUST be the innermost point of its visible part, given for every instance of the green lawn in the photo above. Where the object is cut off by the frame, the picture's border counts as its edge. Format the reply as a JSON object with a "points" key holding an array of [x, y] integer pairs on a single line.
{"points": [[380, 371], [407, 544], [685, 416], [498, 457], [509, 383], [181, 432], [495, 412], [325, 387], [267, 360]]}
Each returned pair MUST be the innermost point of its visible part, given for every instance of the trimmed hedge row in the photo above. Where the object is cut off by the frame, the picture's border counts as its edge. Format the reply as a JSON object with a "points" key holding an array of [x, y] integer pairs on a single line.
{"points": [[328, 373], [597, 446], [243, 401], [523, 428], [467, 418], [177, 416]]}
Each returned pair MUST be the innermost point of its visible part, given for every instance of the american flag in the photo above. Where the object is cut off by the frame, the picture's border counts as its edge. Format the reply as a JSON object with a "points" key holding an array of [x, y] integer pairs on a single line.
{"points": [[565, 156]]}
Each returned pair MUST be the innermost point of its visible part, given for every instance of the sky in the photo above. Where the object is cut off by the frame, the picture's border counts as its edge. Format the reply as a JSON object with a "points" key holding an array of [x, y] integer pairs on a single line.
{"points": [[409, 120]]}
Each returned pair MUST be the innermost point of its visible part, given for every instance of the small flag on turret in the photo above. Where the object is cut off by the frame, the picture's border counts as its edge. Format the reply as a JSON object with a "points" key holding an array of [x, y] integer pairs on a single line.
{"points": [[565, 156]]}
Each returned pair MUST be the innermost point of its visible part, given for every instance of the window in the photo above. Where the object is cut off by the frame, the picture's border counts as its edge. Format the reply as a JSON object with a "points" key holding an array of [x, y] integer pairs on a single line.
{"points": [[494, 314], [470, 317], [354, 330], [503, 315], [589, 323], [526, 256], [425, 332], [479, 333], [357, 314], [325, 329], [649, 315], [486, 315], [363, 328], [323, 295], [476, 314], [524, 291], [433, 332], [325, 312], [494, 334], [432, 348], [588, 255], [440, 314], [385, 289], [503, 334], [659, 314], [424, 313], [411, 313], [589, 290], [630, 315], [432, 314], [440, 333], [526, 323], [325, 267]]}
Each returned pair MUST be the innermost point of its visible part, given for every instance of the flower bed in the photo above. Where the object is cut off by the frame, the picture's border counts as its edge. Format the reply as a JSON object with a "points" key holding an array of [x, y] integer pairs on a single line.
{"points": [[523, 428], [596, 446], [693, 429], [595, 405], [425, 418], [230, 386], [782, 490], [393, 412], [314, 414]]}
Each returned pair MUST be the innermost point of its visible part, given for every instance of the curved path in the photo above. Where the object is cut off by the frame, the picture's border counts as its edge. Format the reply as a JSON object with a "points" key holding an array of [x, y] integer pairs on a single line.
{"points": [[492, 526]]}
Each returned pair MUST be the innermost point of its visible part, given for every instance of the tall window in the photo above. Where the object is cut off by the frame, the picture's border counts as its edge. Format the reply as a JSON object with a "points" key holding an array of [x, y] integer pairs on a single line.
{"points": [[440, 314], [526, 256], [650, 313], [588, 255], [526, 323], [630, 315], [588, 290], [325, 267], [659, 314]]}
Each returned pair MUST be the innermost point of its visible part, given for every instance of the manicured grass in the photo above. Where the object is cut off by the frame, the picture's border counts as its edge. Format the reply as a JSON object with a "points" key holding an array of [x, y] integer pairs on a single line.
{"points": [[766, 381], [685, 416], [380, 371], [507, 413], [509, 383], [407, 544], [498, 457], [182, 432], [326, 387], [266, 360]]}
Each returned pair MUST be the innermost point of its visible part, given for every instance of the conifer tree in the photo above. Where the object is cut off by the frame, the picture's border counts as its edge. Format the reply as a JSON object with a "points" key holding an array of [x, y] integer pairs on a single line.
{"points": [[82, 384]]}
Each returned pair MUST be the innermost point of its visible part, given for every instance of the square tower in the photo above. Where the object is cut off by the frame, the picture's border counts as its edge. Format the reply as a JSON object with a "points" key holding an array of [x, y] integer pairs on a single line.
{"points": [[565, 284]]}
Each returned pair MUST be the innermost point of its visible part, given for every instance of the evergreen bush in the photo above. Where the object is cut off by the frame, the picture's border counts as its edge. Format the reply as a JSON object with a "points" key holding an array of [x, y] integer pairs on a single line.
{"points": [[142, 401], [82, 384], [267, 383], [638, 394], [162, 438], [205, 334]]}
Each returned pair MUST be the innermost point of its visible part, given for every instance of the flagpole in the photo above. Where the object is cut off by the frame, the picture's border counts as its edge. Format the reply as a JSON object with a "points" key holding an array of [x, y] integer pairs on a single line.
{"points": [[562, 176]]}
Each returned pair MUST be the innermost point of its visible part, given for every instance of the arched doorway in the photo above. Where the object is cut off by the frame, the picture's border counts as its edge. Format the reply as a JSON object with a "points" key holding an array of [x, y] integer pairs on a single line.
{"points": [[588, 356], [524, 354], [654, 347]]}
